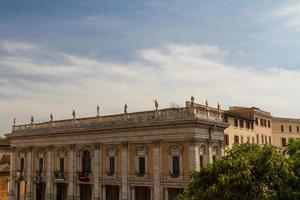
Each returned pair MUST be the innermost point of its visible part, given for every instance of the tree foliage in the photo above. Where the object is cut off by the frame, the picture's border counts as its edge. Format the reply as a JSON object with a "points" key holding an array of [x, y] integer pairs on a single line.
{"points": [[248, 171]]}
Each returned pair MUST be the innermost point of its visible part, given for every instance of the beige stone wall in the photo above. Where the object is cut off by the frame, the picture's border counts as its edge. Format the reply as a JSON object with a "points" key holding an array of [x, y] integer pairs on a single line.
{"points": [[278, 134], [244, 133]]}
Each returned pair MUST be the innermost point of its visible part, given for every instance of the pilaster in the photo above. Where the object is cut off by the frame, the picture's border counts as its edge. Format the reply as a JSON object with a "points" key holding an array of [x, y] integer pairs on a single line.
{"points": [[49, 182], [71, 188], [156, 170], [96, 172], [125, 159], [12, 170], [29, 187]]}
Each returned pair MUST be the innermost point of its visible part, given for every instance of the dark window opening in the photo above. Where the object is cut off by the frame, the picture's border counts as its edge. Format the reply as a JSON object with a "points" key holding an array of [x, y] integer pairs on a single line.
{"points": [[175, 162], [142, 166], [111, 165]]}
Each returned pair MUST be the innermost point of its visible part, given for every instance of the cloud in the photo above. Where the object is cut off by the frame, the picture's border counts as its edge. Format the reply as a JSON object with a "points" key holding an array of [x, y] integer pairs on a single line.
{"points": [[14, 47], [291, 15], [169, 73]]}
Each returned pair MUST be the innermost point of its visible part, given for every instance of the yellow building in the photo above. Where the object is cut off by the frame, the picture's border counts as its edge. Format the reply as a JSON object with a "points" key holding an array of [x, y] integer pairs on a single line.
{"points": [[4, 168], [143, 155], [284, 129], [251, 125]]}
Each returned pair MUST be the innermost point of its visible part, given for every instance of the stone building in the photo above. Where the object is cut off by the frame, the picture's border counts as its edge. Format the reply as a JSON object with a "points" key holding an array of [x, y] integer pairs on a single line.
{"points": [[284, 129], [142, 155], [251, 125], [4, 168]]}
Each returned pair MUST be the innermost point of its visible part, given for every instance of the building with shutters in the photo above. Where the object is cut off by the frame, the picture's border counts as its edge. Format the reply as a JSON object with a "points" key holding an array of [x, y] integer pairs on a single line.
{"points": [[143, 155]]}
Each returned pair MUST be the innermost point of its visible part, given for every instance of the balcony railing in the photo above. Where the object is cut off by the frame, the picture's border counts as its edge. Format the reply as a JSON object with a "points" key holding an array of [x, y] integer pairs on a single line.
{"points": [[110, 173], [139, 174], [60, 175], [39, 175], [169, 114], [84, 176], [20, 175], [174, 174]]}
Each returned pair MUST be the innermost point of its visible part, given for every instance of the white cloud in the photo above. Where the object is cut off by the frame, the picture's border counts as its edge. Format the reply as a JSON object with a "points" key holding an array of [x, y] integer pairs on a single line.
{"points": [[291, 15], [170, 73], [14, 47]]}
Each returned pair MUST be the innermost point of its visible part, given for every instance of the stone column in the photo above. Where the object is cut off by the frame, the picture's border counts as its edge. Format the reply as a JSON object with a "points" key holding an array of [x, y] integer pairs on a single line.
{"points": [[124, 158], [71, 188], [96, 164], [104, 192], [193, 156], [13, 167], [49, 182], [29, 187], [166, 194], [156, 170], [133, 193], [210, 154]]}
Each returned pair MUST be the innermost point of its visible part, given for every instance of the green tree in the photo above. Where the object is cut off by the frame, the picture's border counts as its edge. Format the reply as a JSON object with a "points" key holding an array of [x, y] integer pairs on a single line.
{"points": [[247, 171]]}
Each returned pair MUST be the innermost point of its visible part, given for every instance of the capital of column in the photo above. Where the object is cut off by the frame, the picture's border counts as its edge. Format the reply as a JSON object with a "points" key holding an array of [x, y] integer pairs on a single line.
{"points": [[97, 145], [156, 143], [125, 144]]}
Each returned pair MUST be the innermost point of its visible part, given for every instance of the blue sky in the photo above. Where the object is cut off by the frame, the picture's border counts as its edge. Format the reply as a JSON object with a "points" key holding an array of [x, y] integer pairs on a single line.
{"points": [[56, 56]]}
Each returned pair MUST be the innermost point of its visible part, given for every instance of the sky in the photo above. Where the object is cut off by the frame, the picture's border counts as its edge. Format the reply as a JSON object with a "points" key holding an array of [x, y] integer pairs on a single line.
{"points": [[56, 56]]}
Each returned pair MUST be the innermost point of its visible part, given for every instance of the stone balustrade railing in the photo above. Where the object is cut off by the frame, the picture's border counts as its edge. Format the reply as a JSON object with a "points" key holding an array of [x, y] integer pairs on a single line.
{"points": [[161, 115]]}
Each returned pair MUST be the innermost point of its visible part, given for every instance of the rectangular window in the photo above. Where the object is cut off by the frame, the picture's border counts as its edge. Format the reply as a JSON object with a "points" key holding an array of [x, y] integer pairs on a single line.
{"points": [[269, 124], [252, 140], [226, 119], [61, 164], [283, 142], [262, 139], [175, 162], [270, 140], [214, 158], [257, 139], [247, 125], [248, 139], [266, 139], [241, 123], [226, 140], [142, 165], [235, 123], [297, 129], [111, 165], [261, 122], [256, 121], [252, 126], [265, 123], [22, 164], [242, 139], [290, 128], [282, 128], [41, 164], [236, 139], [201, 161]]}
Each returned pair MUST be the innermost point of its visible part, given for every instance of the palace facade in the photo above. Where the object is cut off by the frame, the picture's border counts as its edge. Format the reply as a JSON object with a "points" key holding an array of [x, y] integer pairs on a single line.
{"points": [[285, 129], [251, 125], [142, 155]]}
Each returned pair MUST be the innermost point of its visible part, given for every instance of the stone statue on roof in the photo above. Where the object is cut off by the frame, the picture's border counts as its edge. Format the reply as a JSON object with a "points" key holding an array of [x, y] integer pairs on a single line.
{"points": [[206, 102], [156, 104], [14, 121], [192, 101], [98, 110], [51, 117], [74, 114], [125, 108], [32, 119]]}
